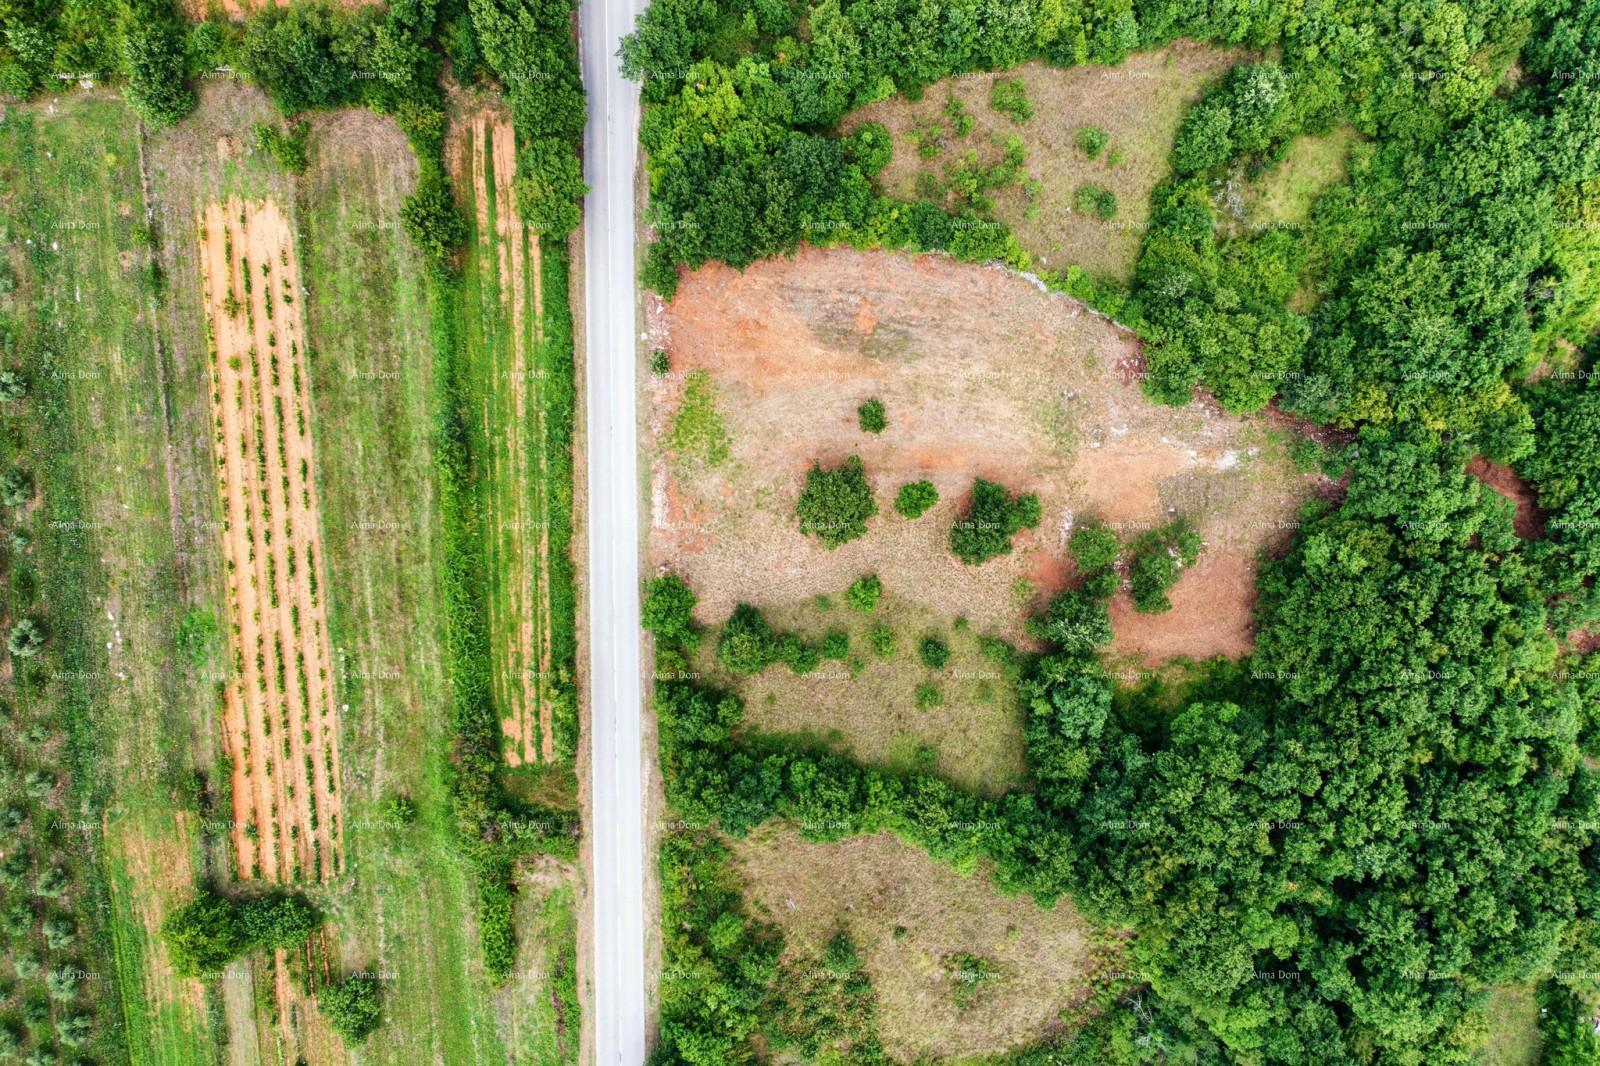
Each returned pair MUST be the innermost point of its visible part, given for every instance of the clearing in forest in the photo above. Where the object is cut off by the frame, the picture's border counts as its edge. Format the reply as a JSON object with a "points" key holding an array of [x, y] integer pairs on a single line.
{"points": [[982, 375], [1138, 105], [281, 727], [958, 968], [503, 296]]}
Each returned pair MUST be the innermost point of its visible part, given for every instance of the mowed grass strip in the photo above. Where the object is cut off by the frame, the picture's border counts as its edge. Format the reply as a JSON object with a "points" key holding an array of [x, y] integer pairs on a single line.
{"points": [[405, 909], [518, 376], [93, 433]]}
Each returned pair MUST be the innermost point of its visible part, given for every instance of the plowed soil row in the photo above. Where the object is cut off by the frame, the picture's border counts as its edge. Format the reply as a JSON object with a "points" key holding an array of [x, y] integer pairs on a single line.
{"points": [[513, 425], [281, 729]]}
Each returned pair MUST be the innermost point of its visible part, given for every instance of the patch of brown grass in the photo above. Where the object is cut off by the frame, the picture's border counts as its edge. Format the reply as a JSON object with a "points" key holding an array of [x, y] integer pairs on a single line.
{"points": [[870, 887], [1139, 102]]}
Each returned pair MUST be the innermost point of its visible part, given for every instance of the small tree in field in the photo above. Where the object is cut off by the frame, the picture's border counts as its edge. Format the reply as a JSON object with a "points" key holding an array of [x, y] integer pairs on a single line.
{"points": [[1094, 546], [836, 503], [873, 417], [16, 487], [668, 606], [992, 519], [915, 498], [352, 1007], [864, 593], [27, 638]]}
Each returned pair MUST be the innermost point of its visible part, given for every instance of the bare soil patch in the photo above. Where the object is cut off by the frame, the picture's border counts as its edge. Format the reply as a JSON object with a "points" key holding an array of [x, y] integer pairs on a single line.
{"points": [[1139, 103], [871, 886], [483, 162], [281, 727], [983, 375], [1528, 522]]}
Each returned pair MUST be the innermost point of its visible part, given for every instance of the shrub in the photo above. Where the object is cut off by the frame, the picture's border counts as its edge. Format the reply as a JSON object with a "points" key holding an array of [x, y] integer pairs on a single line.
{"points": [[13, 386], [836, 503], [914, 499], [288, 149], [154, 60], [16, 487], [62, 984], [59, 932], [1096, 200], [836, 645], [27, 638], [928, 696], [933, 652], [38, 783], [73, 1030], [352, 1007], [864, 592], [872, 416], [748, 645], [196, 636], [882, 639], [668, 609], [1159, 557], [1094, 547], [1092, 140], [210, 931], [992, 519], [53, 883], [549, 186], [280, 920], [660, 363], [1010, 97], [432, 221], [398, 810]]}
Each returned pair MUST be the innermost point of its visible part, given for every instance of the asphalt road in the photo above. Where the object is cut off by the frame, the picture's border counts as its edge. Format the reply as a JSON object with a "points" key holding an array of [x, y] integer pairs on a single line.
{"points": [[616, 696]]}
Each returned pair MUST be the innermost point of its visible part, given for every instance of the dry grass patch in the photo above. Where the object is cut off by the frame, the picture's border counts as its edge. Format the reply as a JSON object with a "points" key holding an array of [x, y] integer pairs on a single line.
{"points": [[1139, 103], [239, 10], [281, 728], [909, 918], [866, 706], [983, 375]]}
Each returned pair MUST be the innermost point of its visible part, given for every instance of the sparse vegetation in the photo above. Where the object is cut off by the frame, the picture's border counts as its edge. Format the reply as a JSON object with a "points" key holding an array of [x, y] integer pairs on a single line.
{"points": [[1010, 97]]}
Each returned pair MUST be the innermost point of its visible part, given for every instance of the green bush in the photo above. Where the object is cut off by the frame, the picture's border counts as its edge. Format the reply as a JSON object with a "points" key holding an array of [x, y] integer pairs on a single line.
{"points": [[352, 1007], [433, 222], [660, 363], [13, 386], [992, 519], [16, 487], [1010, 97], [748, 645], [872, 416], [668, 610], [883, 640], [1092, 140], [1158, 558], [836, 503], [287, 148], [836, 645], [933, 652], [928, 696], [914, 499], [211, 930], [155, 62], [1095, 548], [27, 638], [864, 592], [1096, 200]]}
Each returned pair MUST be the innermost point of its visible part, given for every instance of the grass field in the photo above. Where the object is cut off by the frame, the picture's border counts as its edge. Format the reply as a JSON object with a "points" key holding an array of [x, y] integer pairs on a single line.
{"points": [[522, 377], [1139, 104], [114, 590], [866, 705], [130, 563]]}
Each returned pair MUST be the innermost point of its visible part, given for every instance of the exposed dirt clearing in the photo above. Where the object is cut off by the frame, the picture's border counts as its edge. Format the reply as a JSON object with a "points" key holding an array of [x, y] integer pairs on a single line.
{"points": [[983, 375], [1528, 522], [1140, 103], [868, 886], [483, 160], [281, 727]]}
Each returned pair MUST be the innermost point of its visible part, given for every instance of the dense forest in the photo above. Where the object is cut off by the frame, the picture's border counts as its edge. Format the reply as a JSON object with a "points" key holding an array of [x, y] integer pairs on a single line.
{"points": [[1392, 798]]}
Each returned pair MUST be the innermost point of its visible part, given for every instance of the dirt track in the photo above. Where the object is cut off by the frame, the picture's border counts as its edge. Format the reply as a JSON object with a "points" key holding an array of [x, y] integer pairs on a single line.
{"points": [[280, 724]]}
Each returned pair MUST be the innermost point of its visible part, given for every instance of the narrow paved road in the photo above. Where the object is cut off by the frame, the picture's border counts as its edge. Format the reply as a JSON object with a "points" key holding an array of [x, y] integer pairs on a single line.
{"points": [[616, 785]]}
